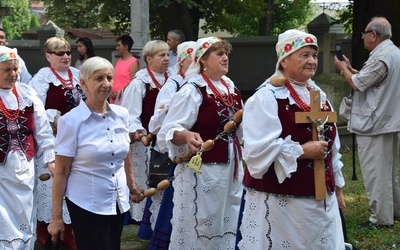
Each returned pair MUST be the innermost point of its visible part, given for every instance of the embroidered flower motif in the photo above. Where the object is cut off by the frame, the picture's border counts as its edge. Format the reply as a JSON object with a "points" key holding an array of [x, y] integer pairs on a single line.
{"points": [[226, 219], [23, 227], [282, 202], [189, 50], [309, 40], [252, 206], [206, 189], [286, 244], [181, 241], [252, 224], [324, 241], [208, 222], [252, 239], [206, 45], [288, 47]]}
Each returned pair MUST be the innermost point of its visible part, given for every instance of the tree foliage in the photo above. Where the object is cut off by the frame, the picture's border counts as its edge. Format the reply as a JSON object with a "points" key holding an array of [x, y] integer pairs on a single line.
{"points": [[21, 20], [239, 17], [363, 11]]}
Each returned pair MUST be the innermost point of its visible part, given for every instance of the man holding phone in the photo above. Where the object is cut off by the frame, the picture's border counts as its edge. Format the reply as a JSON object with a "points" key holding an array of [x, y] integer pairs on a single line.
{"points": [[375, 119]]}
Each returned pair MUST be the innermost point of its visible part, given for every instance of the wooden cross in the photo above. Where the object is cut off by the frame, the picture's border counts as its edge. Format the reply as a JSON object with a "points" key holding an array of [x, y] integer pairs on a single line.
{"points": [[318, 118]]}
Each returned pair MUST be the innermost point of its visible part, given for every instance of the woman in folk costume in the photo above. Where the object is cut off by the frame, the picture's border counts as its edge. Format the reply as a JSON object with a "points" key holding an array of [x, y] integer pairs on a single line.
{"points": [[25, 132], [161, 207], [206, 200], [59, 90], [280, 206], [140, 98]]}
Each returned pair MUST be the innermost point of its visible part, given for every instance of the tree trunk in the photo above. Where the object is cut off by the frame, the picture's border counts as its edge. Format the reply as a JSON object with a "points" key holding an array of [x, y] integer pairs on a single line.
{"points": [[179, 16], [363, 11], [267, 21]]}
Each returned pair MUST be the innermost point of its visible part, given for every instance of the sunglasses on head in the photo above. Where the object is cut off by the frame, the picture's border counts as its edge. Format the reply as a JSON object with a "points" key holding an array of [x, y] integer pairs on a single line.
{"points": [[60, 53]]}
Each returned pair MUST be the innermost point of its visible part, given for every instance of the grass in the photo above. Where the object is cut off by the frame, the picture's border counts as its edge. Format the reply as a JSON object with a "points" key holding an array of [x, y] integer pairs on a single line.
{"points": [[357, 211]]}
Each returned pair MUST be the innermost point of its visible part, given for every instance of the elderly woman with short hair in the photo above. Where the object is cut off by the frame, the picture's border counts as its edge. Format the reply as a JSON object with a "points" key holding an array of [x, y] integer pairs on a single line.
{"points": [[90, 166]]}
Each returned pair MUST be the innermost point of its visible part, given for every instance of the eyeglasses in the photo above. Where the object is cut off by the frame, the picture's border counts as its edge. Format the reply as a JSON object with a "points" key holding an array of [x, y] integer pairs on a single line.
{"points": [[363, 33], [60, 53]]}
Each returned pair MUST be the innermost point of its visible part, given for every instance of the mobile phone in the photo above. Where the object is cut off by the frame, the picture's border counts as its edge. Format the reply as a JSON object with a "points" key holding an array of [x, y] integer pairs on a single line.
{"points": [[339, 54]]}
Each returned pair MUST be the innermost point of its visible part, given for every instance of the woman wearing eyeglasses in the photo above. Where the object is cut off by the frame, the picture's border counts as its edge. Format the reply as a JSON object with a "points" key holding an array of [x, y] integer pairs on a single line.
{"points": [[58, 88]]}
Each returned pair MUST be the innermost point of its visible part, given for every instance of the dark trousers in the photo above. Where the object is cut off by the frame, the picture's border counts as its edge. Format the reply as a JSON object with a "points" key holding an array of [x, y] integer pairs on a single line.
{"points": [[94, 231]]}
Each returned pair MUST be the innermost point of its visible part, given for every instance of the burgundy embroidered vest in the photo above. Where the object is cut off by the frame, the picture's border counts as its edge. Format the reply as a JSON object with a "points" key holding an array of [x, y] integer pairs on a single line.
{"points": [[301, 182], [20, 130], [148, 104], [60, 98], [212, 117]]}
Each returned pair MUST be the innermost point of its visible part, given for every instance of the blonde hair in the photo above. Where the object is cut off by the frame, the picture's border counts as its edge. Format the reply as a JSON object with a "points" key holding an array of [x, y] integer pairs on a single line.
{"points": [[56, 43], [151, 48], [92, 65]]}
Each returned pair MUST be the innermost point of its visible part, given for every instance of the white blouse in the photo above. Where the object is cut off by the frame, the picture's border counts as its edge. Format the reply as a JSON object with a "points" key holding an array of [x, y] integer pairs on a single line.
{"points": [[98, 145]]}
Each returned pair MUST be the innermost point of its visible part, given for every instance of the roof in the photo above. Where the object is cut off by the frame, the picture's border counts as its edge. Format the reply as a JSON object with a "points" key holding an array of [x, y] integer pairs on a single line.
{"points": [[100, 34]]}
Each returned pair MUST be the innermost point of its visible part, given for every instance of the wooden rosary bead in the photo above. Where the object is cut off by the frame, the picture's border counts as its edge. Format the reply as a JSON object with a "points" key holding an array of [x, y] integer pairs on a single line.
{"points": [[207, 145], [229, 126], [278, 81], [238, 116], [163, 184], [150, 192], [44, 177]]}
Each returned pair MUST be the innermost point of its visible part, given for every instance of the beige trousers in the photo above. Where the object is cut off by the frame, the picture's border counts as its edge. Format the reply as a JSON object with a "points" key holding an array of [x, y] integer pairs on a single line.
{"points": [[379, 155]]}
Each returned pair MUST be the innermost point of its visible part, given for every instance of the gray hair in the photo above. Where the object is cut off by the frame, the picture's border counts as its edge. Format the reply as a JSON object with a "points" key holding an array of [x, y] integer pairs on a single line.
{"points": [[178, 35], [92, 65], [381, 26]]}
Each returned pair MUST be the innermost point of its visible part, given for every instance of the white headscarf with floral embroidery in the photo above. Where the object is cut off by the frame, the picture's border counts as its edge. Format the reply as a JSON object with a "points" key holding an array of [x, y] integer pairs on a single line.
{"points": [[291, 41], [200, 48], [7, 54], [184, 50]]}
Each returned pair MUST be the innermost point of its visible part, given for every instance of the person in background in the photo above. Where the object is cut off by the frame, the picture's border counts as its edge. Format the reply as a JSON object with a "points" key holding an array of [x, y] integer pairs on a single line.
{"points": [[58, 88], [85, 50], [140, 98], [90, 167], [25, 132], [174, 38], [23, 76], [161, 207], [125, 68], [206, 205], [375, 119], [280, 210]]}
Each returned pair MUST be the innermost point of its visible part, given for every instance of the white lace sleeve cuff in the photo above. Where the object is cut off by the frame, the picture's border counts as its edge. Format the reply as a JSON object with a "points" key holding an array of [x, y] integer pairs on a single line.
{"points": [[286, 162]]}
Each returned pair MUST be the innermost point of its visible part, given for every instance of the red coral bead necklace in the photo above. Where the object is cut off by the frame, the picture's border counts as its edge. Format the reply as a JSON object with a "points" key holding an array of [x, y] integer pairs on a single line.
{"points": [[227, 100], [68, 84], [11, 115], [296, 97]]}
